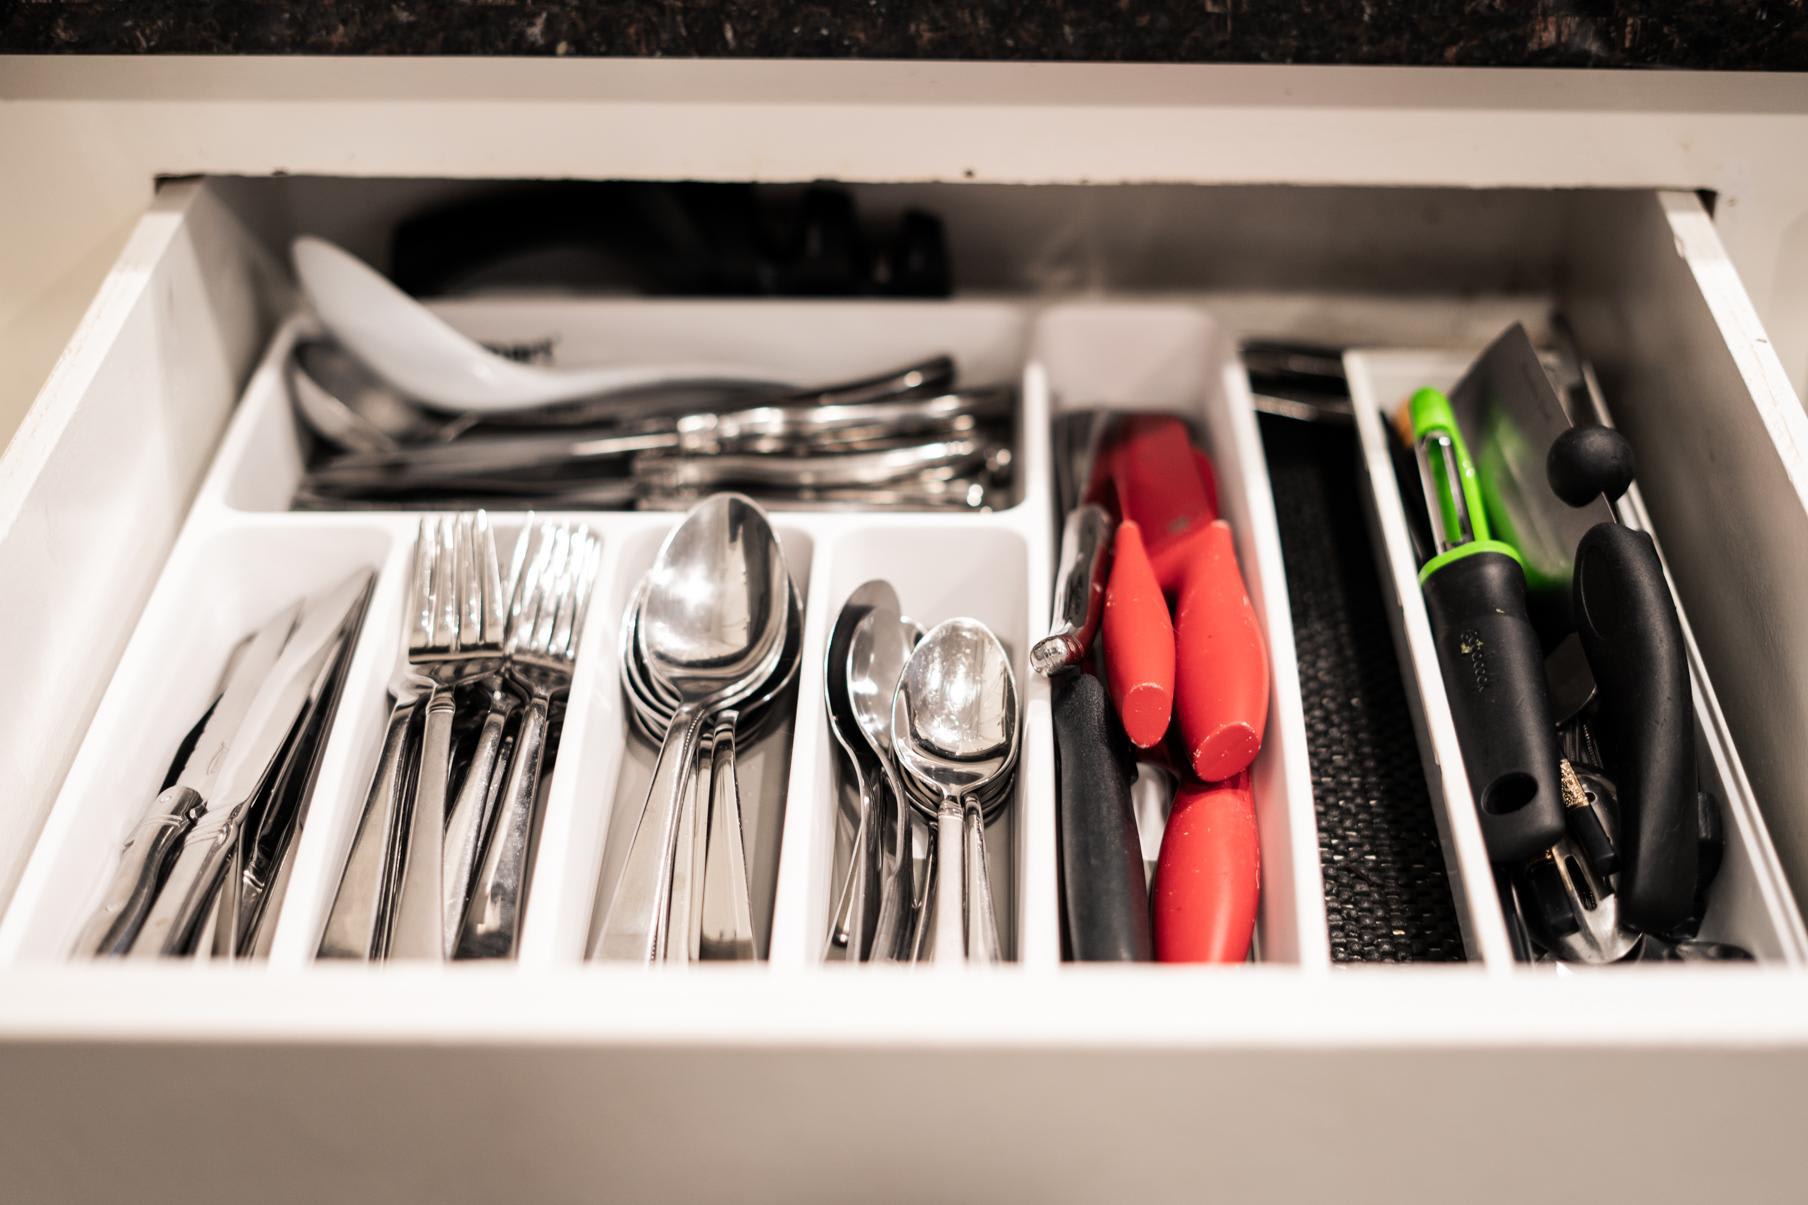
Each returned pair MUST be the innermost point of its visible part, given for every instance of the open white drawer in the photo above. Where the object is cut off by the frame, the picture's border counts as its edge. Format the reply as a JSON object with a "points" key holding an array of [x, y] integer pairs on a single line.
{"points": [[557, 1078]]}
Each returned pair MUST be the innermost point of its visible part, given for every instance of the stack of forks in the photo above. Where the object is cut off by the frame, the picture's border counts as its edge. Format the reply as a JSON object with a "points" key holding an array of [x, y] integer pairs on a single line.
{"points": [[439, 864]]}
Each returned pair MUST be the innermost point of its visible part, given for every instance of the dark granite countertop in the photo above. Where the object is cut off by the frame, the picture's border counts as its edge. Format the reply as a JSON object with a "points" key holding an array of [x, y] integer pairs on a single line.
{"points": [[1698, 34]]}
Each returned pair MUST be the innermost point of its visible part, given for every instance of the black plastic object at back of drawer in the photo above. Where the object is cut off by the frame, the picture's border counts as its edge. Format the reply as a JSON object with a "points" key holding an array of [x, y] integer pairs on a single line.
{"points": [[1387, 897]]}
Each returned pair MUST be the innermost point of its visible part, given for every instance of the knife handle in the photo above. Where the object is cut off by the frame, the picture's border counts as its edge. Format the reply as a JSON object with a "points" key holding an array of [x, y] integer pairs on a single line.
{"points": [[186, 899], [143, 862], [1630, 631], [1102, 887], [1208, 875], [1222, 680], [1139, 641], [1493, 669]]}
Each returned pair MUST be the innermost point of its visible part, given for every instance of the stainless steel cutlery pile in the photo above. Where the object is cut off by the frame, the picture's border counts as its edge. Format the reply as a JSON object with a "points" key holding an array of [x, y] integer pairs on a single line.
{"points": [[407, 412], [710, 642], [927, 725], [439, 863], [205, 871]]}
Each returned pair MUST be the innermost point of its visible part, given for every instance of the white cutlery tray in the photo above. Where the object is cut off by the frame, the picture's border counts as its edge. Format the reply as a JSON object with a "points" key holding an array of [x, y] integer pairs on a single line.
{"points": [[242, 554], [141, 530]]}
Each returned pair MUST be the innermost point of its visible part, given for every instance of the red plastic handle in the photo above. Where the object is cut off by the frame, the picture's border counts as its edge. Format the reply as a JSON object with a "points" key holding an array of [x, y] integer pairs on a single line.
{"points": [[1221, 681], [1208, 877], [1139, 641]]}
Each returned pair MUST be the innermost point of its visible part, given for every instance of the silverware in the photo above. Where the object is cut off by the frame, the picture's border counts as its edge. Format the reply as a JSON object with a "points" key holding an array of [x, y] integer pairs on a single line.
{"points": [[711, 628], [727, 920], [268, 853], [556, 572], [483, 609], [395, 857], [153, 842], [955, 730], [856, 903], [710, 903], [346, 406], [1079, 591], [188, 894], [881, 647]]}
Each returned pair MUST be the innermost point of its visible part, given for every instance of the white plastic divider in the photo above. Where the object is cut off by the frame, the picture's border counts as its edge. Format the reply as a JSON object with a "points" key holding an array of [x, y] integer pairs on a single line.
{"points": [[997, 567], [217, 586], [1749, 905], [1172, 358]]}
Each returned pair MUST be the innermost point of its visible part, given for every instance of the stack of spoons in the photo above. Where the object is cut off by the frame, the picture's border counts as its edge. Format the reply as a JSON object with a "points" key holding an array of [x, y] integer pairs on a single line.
{"points": [[928, 727], [710, 642]]}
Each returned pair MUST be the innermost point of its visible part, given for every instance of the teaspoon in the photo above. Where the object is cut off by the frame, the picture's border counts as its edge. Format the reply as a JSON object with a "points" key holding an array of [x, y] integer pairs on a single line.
{"points": [[954, 729]]}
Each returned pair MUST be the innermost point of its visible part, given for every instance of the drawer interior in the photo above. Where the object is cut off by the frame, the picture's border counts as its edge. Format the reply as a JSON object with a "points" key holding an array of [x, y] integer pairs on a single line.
{"points": [[1127, 296]]}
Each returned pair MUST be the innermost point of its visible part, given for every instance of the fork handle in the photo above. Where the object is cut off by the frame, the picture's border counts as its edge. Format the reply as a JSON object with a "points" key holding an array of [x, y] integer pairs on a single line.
{"points": [[357, 925], [142, 863], [493, 920], [642, 894], [472, 812], [419, 930]]}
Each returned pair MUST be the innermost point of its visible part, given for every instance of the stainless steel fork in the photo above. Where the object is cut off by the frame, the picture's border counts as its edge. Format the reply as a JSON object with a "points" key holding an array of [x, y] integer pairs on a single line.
{"points": [[556, 568], [390, 900], [473, 806]]}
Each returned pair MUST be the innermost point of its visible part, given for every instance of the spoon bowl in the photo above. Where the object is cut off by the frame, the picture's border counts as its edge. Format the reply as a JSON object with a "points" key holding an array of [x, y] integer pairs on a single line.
{"points": [[955, 731]]}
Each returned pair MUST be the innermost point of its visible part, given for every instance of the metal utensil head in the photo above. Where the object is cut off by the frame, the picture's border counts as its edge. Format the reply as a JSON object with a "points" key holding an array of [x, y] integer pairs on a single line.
{"points": [[877, 654], [954, 718], [555, 572], [714, 616]]}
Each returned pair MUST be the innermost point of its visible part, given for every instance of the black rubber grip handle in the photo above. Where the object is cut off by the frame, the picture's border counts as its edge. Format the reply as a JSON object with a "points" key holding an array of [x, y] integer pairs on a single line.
{"points": [[1102, 885], [1629, 629], [1494, 674]]}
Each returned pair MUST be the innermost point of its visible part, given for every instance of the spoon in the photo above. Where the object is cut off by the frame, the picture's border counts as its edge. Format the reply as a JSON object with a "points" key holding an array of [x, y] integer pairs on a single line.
{"points": [[954, 729], [881, 646], [342, 403], [853, 919], [422, 355], [712, 627]]}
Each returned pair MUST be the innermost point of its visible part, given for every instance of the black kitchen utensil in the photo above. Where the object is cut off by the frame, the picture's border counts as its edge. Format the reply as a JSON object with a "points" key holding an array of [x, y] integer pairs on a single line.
{"points": [[1102, 885], [1630, 631]]}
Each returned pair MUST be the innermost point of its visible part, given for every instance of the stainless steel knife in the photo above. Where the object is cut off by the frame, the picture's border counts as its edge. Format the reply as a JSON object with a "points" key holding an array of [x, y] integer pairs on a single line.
{"points": [[152, 844], [182, 906]]}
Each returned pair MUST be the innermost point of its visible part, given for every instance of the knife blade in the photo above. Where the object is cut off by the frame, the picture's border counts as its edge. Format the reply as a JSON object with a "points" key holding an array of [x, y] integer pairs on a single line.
{"points": [[268, 847], [1510, 413], [272, 717], [149, 849]]}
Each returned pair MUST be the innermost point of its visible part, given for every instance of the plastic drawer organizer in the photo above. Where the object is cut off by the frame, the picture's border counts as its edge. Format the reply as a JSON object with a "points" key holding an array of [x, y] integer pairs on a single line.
{"points": [[126, 573]]}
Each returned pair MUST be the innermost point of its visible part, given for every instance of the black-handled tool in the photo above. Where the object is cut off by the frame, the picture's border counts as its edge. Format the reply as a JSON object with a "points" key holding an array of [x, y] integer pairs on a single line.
{"points": [[1627, 622], [1488, 651], [1103, 890], [1629, 628]]}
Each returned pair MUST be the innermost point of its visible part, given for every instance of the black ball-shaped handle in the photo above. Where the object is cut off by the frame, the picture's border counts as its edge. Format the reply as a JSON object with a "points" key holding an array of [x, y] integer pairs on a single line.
{"points": [[1587, 461]]}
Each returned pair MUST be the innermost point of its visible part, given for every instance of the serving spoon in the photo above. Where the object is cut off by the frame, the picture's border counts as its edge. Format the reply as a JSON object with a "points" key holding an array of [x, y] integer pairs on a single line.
{"points": [[422, 355]]}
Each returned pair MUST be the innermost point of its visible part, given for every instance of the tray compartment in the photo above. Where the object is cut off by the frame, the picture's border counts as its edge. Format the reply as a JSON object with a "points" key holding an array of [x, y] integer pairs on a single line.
{"points": [[1175, 358], [941, 570], [1749, 904], [601, 801], [215, 590], [262, 459]]}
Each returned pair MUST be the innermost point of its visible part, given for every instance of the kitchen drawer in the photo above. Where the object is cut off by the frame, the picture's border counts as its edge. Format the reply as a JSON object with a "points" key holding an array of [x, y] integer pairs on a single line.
{"points": [[1289, 1078]]}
